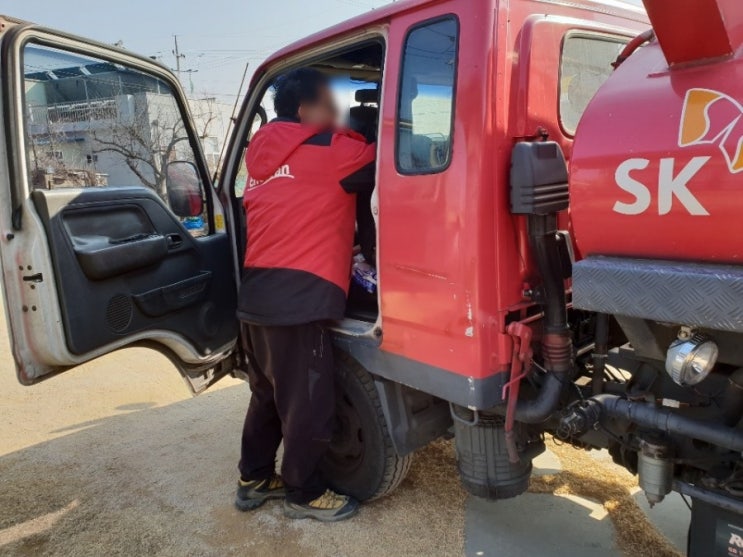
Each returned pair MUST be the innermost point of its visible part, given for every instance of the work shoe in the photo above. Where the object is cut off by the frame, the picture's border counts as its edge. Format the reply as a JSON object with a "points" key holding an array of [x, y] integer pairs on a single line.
{"points": [[252, 494], [329, 507]]}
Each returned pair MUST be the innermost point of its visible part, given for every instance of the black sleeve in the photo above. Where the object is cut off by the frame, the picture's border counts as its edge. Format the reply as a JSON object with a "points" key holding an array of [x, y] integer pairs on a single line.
{"points": [[362, 180]]}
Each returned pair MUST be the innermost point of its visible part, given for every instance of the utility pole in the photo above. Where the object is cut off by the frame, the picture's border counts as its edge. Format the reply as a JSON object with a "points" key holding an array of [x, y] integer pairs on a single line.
{"points": [[178, 56]]}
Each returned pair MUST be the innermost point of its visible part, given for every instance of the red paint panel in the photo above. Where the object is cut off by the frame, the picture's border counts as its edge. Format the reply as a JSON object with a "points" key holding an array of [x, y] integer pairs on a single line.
{"points": [[453, 260], [677, 135], [691, 30]]}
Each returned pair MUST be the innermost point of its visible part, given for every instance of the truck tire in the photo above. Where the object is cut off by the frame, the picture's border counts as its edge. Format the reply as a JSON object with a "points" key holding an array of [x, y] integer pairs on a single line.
{"points": [[361, 461]]}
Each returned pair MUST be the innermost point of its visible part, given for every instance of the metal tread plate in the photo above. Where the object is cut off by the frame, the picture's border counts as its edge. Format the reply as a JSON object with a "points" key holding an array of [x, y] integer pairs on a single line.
{"points": [[702, 295]]}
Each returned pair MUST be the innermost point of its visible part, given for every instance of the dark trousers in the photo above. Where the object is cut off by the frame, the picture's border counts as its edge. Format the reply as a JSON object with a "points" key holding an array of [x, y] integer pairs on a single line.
{"points": [[292, 384]]}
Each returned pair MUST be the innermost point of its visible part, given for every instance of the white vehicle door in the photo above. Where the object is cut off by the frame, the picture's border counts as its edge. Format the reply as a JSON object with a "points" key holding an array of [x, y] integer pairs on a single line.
{"points": [[111, 233]]}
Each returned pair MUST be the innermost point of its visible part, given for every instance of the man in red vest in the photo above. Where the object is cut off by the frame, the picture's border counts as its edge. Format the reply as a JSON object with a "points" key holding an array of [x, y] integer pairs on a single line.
{"points": [[303, 174]]}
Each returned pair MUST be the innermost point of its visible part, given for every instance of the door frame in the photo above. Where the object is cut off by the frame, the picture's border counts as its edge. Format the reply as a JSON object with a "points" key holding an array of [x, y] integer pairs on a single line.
{"points": [[241, 128]]}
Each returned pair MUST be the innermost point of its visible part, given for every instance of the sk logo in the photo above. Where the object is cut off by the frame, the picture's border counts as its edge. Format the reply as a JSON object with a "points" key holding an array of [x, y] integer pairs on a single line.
{"points": [[714, 118]]}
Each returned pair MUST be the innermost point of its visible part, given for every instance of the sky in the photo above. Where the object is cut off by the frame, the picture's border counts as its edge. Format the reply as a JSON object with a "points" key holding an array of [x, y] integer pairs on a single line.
{"points": [[216, 37]]}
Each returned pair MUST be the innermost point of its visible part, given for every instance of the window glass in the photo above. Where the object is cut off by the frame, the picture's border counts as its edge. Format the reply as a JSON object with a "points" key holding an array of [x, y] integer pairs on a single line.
{"points": [[93, 123], [585, 65], [426, 103]]}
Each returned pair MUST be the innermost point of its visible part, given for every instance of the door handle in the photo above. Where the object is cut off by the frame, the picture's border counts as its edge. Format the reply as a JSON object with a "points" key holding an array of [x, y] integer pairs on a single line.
{"points": [[174, 241]]}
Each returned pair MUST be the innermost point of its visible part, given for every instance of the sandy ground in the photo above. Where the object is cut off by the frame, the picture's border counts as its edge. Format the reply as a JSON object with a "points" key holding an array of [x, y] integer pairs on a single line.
{"points": [[115, 458]]}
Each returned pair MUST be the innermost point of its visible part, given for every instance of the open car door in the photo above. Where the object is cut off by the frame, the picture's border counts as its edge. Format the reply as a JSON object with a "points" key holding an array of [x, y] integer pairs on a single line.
{"points": [[111, 232]]}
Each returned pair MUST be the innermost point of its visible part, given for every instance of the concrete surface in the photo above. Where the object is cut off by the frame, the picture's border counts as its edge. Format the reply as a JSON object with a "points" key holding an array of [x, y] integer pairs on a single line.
{"points": [[535, 524], [561, 525], [580, 527], [115, 458], [671, 517]]}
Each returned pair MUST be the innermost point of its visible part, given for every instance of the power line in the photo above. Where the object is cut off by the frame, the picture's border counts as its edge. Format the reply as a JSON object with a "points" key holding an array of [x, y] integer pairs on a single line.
{"points": [[178, 57]]}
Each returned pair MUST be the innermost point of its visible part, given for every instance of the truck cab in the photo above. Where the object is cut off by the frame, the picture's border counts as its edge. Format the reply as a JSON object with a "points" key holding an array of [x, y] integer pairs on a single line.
{"points": [[115, 234]]}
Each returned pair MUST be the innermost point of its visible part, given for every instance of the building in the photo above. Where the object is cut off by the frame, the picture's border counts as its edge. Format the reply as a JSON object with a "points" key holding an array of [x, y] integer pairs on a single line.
{"points": [[93, 123]]}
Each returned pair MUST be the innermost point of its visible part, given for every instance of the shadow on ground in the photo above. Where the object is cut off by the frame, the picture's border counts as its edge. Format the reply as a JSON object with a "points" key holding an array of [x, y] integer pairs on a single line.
{"points": [[159, 481]]}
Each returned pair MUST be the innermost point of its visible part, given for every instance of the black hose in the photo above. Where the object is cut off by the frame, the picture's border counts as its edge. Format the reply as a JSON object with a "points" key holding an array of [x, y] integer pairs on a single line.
{"points": [[539, 409], [556, 342], [600, 352], [659, 418], [546, 251]]}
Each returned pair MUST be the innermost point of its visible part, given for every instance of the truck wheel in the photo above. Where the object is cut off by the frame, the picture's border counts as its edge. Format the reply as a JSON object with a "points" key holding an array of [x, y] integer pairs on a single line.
{"points": [[361, 460]]}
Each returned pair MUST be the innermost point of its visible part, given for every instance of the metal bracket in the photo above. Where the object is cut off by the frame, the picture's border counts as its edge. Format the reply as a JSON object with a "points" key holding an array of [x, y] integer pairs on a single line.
{"points": [[520, 367], [470, 423]]}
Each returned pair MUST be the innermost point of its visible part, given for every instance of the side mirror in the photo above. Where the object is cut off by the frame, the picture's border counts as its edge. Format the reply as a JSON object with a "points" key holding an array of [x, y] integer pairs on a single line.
{"points": [[185, 191]]}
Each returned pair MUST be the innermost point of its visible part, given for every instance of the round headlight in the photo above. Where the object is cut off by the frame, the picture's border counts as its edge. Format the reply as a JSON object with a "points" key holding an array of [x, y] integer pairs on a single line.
{"points": [[689, 361]]}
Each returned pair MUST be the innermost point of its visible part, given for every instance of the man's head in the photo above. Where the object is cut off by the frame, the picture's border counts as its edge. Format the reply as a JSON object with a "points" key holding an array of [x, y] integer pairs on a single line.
{"points": [[305, 94]]}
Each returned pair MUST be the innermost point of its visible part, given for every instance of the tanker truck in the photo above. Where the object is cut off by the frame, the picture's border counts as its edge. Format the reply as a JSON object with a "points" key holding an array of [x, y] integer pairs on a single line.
{"points": [[554, 226], [654, 167]]}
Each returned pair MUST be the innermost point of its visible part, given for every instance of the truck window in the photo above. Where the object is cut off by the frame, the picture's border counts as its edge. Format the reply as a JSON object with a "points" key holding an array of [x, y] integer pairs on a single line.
{"points": [[426, 98], [90, 123], [585, 65]]}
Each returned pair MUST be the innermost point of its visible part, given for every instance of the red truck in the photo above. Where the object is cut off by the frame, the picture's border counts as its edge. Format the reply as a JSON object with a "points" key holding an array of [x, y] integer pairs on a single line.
{"points": [[509, 305]]}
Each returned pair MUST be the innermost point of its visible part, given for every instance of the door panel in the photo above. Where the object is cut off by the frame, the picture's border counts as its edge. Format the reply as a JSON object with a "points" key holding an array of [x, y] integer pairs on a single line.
{"points": [[98, 144], [124, 264]]}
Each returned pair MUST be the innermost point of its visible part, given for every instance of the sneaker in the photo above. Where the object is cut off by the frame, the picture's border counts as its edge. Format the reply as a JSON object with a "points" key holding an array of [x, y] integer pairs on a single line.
{"points": [[329, 507], [252, 494]]}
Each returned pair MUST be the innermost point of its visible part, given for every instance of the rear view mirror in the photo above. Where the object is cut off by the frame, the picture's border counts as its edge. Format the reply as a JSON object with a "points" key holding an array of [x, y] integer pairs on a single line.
{"points": [[185, 192]]}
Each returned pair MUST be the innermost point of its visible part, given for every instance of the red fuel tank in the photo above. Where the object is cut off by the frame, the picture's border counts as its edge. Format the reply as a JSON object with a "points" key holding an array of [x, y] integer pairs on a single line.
{"points": [[657, 165]]}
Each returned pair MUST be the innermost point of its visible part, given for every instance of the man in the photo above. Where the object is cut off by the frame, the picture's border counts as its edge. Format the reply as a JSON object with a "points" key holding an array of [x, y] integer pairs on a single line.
{"points": [[300, 206]]}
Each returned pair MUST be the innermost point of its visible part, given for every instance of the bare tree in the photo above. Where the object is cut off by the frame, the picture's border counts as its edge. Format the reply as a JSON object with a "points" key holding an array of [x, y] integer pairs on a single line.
{"points": [[206, 116], [153, 136], [147, 140], [54, 165]]}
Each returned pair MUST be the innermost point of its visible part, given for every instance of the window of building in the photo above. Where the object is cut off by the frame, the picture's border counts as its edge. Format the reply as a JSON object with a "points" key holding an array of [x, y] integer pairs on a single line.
{"points": [[585, 65], [426, 99]]}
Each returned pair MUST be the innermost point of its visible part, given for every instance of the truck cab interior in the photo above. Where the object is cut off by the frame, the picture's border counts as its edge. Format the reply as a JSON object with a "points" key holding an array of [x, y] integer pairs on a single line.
{"points": [[356, 78]]}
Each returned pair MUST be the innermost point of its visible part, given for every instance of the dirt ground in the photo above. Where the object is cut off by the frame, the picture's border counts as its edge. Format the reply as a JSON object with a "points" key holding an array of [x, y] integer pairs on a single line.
{"points": [[116, 458]]}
